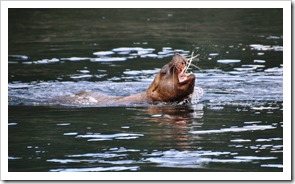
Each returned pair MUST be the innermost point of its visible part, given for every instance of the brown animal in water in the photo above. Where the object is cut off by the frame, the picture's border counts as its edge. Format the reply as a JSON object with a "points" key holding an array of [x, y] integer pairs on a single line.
{"points": [[171, 84]]}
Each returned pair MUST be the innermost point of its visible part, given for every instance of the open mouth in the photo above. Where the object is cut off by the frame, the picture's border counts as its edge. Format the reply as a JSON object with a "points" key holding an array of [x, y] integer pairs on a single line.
{"points": [[183, 75], [182, 64]]}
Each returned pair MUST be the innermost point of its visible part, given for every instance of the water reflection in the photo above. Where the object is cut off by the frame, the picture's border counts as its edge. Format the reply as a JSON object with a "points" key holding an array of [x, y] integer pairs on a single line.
{"points": [[162, 137], [235, 126], [174, 122], [174, 115]]}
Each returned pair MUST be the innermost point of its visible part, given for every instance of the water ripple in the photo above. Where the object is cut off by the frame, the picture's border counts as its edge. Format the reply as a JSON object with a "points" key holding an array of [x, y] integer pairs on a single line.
{"points": [[234, 129], [189, 159], [104, 137], [96, 169]]}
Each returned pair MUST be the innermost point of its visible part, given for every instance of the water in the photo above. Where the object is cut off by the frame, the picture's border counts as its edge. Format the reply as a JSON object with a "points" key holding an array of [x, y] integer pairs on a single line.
{"points": [[236, 125]]}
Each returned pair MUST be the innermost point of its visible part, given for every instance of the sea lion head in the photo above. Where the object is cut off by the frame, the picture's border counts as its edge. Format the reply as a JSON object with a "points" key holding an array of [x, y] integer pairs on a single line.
{"points": [[172, 83]]}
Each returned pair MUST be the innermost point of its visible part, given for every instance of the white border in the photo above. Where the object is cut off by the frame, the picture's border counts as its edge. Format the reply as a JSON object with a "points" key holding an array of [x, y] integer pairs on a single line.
{"points": [[285, 175]]}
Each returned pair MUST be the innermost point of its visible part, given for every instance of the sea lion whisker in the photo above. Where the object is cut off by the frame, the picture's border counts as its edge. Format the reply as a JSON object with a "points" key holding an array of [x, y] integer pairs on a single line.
{"points": [[173, 79], [196, 66], [189, 63], [173, 65], [193, 57], [190, 59]]}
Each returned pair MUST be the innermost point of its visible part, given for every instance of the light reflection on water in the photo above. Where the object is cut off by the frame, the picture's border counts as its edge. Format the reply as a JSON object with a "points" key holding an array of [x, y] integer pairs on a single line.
{"points": [[188, 150], [218, 88], [157, 136], [236, 125]]}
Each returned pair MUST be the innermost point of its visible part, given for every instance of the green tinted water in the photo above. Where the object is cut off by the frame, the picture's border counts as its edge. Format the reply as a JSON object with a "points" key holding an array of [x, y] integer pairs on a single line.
{"points": [[235, 126]]}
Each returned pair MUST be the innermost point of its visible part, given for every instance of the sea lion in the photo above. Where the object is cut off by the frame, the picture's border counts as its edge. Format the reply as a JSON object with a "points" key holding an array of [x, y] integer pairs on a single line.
{"points": [[171, 84]]}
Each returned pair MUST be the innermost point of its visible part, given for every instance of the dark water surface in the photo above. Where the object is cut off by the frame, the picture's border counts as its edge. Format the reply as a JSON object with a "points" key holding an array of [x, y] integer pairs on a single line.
{"points": [[236, 125]]}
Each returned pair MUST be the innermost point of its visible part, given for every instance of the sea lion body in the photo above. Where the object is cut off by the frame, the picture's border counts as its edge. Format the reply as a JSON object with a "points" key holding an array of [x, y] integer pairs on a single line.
{"points": [[171, 84]]}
